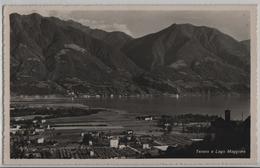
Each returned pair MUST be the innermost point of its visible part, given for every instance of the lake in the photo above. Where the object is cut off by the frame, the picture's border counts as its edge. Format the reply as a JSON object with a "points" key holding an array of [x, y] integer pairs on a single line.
{"points": [[215, 105]]}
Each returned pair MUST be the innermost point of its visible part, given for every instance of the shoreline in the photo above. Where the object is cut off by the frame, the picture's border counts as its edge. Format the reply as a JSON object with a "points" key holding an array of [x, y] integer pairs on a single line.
{"points": [[25, 98]]}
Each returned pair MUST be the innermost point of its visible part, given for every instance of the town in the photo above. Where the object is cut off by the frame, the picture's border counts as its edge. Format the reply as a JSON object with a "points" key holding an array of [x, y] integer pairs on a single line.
{"points": [[33, 136]]}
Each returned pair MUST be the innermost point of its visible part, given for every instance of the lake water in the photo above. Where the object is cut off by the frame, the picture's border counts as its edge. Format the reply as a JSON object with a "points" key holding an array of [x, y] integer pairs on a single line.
{"points": [[239, 105]]}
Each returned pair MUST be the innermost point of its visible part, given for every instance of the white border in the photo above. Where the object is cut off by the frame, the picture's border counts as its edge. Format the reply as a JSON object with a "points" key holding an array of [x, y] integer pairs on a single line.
{"points": [[118, 2]]}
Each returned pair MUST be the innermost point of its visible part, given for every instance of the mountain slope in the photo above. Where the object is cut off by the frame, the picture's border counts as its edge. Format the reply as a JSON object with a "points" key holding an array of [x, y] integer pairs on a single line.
{"points": [[49, 51], [53, 56], [115, 39], [246, 43], [190, 56]]}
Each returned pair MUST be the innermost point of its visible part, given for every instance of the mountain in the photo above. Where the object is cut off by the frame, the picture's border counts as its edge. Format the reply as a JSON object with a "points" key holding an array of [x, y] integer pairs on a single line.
{"points": [[116, 39], [53, 56], [246, 43], [49, 55], [193, 58]]}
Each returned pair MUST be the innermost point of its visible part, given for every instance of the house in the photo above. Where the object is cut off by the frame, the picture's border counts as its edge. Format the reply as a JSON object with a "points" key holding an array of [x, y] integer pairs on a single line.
{"points": [[39, 130], [86, 96], [146, 146], [40, 140], [90, 143], [129, 138], [48, 127], [16, 129], [167, 124], [91, 153], [129, 132], [148, 118], [114, 143], [121, 146]]}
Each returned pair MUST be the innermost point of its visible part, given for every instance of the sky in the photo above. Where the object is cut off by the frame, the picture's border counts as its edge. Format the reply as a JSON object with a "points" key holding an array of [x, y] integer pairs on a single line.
{"points": [[140, 23]]}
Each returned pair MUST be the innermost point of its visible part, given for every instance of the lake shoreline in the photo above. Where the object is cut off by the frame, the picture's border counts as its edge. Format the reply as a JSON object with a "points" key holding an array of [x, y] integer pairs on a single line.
{"points": [[212, 105], [64, 97]]}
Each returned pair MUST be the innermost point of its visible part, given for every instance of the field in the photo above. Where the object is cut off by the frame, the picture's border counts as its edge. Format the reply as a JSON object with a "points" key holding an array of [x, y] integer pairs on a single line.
{"points": [[68, 129]]}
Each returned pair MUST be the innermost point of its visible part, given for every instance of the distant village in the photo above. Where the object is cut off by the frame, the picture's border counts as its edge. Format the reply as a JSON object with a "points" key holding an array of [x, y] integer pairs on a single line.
{"points": [[73, 94]]}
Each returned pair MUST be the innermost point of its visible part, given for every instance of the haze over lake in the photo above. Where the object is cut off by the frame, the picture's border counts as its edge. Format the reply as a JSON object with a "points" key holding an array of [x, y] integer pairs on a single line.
{"points": [[170, 105]]}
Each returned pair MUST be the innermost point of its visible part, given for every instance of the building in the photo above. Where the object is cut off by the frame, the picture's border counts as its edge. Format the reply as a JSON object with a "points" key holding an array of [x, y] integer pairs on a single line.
{"points": [[90, 143], [114, 143], [146, 146], [39, 130], [14, 130], [227, 115], [130, 132], [48, 127], [148, 118], [40, 140], [91, 153], [167, 124], [86, 96], [225, 129], [121, 146], [129, 138]]}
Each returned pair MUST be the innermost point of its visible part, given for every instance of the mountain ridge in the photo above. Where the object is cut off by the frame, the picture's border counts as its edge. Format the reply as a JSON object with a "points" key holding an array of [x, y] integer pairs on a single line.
{"points": [[53, 56]]}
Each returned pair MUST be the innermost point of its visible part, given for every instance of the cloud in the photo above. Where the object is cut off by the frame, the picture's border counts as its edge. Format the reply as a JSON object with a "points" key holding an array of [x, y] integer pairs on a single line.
{"points": [[97, 24], [94, 24], [115, 27]]}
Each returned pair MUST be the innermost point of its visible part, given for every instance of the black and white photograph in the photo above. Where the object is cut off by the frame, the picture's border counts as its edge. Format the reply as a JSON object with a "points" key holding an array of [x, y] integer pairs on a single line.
{"points": [[130, 84]]}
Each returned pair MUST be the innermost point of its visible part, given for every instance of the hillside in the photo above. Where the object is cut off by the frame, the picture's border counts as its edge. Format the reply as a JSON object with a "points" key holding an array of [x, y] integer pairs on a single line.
{"points": [[49, 55], [53, 56], [193, 58]]}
